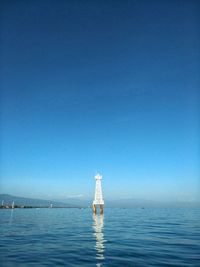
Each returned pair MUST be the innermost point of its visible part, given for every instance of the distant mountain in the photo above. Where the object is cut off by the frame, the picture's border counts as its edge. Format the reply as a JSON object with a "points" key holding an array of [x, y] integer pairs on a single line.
{"points": [[8, 199], [86, 202]]}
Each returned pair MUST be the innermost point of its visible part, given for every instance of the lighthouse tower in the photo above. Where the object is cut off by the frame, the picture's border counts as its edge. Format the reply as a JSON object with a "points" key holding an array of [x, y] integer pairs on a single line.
{"points": [[98, 199]]}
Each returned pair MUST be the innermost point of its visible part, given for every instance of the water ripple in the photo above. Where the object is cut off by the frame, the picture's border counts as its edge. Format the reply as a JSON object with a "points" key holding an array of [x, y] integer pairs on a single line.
{"points": [[122, 237]]}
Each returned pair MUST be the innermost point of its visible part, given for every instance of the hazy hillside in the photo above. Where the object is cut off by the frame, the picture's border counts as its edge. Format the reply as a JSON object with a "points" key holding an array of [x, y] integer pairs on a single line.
{"points": [[8, 199], [86, 202]]}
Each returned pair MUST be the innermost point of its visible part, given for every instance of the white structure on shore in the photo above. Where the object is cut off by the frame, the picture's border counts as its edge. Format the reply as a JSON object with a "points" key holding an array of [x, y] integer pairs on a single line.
{"points": [[98, 199]]}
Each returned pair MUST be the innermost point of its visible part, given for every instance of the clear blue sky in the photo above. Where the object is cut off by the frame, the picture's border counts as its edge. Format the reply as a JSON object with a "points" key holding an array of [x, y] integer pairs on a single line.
{"points": [[108, 86]]}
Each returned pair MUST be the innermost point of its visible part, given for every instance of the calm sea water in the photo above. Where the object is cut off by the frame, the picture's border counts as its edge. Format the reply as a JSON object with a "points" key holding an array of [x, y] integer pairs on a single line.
{"points": [[122, 237]]}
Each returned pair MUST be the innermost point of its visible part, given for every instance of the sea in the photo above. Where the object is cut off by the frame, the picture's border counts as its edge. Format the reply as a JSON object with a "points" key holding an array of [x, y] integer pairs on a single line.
{"points": [[120, 237]]}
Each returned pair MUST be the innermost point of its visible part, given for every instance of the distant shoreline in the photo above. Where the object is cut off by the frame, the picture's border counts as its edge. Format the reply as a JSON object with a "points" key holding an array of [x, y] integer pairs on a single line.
{"points": [[37, 207]]}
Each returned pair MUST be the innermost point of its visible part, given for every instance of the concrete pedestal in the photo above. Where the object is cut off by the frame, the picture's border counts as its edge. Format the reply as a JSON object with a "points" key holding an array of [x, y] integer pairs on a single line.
{"points": [[94, 208]]}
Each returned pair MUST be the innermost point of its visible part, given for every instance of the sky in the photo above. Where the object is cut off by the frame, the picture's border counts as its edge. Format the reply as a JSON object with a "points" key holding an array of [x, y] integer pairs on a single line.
{"points": [[100, 86]]}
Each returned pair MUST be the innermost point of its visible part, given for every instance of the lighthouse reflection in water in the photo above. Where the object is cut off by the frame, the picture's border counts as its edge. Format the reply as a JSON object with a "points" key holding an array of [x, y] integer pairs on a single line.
{"points": [[99, 235]]}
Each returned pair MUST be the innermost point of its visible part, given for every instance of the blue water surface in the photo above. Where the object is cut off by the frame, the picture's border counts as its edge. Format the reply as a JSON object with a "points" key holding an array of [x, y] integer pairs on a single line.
{"points": [[120, 237]]}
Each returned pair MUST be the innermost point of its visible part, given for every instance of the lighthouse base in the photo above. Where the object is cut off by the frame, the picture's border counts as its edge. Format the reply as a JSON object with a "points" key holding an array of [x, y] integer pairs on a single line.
{"points": [[94, 208]]}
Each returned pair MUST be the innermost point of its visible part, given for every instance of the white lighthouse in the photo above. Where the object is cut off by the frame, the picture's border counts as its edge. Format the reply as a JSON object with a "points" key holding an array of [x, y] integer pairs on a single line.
{"points": [[98, 199]]}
